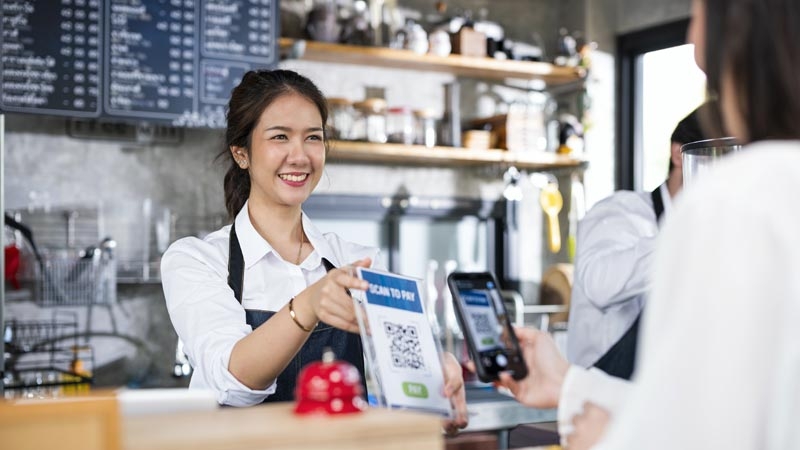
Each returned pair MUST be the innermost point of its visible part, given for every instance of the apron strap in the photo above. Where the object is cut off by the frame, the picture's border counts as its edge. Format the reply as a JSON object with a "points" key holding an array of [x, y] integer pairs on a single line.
{"points": [[235, 265], [658, 203]]}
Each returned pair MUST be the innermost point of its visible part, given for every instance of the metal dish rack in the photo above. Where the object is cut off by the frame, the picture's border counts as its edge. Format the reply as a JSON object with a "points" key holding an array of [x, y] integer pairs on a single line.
{"points": [[73, 266], [43, 359], [75, 278]]}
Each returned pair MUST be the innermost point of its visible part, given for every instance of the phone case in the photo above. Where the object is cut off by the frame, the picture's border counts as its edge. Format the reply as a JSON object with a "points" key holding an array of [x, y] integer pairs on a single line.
{"points": [[517, 366]]}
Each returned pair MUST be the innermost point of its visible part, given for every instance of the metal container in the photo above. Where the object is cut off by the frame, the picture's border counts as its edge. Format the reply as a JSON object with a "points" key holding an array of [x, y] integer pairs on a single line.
{"points": [[699, 157], [450, 132]]}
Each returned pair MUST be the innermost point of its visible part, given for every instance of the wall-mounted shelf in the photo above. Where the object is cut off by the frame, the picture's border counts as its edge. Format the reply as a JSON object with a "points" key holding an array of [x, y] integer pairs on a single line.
{"points": [[368, 152], [466, 66]]}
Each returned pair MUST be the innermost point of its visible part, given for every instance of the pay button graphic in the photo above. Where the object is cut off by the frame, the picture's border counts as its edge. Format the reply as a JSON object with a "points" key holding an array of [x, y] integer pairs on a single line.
{"points": [[415, 390]]}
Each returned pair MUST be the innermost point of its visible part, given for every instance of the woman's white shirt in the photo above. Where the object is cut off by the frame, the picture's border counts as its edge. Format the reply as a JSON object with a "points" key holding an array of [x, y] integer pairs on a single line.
{"points": [[718, 364], [207, 316]]}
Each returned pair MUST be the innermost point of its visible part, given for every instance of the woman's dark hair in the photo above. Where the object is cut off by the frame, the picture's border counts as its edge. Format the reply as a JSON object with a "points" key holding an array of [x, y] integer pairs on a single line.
{"points": [[257, 90], [757, 42]]}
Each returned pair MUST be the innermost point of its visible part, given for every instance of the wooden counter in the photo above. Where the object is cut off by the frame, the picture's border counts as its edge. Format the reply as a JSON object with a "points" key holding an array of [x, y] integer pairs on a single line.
{"points": [[276, 426], [94, 422]]}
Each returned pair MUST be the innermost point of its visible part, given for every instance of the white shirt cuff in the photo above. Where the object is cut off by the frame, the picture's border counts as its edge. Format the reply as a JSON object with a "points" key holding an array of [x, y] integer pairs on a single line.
{"points": [[241, 395], [573, 396], [589, 385], [236, 393]]}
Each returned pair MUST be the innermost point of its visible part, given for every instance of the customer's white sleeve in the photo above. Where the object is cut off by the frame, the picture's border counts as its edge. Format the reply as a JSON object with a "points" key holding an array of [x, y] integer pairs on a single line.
{"points": [[723, 315], [589, 385]]}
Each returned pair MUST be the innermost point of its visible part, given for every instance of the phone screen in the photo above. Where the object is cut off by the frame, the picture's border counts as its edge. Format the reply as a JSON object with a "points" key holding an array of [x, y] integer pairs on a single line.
{"points": [[482, 311]]}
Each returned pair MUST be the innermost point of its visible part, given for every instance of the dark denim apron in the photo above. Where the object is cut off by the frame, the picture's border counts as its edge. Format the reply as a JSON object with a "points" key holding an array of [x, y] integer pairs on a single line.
{"points": [[620, 359], [346, 346]]}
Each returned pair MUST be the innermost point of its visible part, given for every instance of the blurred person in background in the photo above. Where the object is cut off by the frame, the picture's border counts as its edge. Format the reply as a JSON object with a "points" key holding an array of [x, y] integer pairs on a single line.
{"points": [[613, 264]]}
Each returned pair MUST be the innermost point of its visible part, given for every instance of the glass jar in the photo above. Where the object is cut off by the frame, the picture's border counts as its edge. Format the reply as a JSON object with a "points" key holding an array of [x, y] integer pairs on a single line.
{"points": [[340, 118], [400, 126], [526, 129], [426, 127], [698, 157], [370, 122]]}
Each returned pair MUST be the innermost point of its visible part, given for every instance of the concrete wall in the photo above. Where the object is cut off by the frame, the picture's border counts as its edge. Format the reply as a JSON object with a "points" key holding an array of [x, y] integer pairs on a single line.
{"points": [[638, 14], [606, 19]]}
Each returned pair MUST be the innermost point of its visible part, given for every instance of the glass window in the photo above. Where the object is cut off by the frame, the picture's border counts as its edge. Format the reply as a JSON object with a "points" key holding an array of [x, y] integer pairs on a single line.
{"points": [[671, 87]]}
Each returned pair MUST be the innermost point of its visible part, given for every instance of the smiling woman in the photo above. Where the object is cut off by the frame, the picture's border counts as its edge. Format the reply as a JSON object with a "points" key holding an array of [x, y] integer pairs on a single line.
{"points": [[286, 156], [258, 299]]}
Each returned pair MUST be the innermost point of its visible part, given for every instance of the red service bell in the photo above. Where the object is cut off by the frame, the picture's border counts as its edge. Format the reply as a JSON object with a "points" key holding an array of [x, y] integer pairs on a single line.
{"points": [[329, 387]]}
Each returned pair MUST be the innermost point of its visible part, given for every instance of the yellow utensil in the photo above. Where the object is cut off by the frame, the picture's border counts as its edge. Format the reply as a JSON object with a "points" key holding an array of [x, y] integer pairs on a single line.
{"points": [[551, 202]]}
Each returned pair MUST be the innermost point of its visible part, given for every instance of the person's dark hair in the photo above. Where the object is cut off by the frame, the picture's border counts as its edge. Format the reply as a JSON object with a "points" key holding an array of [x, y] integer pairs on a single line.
{"points": [[689, 129], [257, 90], [757, 42]]}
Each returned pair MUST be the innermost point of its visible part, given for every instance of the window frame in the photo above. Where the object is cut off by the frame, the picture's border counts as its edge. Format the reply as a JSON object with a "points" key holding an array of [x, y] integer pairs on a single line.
{"points": [[630, 47]]}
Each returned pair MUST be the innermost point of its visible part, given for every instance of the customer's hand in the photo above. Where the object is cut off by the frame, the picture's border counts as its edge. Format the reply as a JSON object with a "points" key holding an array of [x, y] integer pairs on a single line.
{"points": [[588, 427], [455, 390], [328, 301], [546, 370]]}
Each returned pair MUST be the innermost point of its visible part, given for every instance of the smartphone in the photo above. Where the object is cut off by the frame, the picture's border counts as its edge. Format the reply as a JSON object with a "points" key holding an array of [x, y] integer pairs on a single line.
{"points": [[492, 344]]}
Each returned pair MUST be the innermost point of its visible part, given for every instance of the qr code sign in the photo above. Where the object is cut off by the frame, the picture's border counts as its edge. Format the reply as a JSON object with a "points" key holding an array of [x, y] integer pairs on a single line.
{"points": [[482, 324], [404, 345]]}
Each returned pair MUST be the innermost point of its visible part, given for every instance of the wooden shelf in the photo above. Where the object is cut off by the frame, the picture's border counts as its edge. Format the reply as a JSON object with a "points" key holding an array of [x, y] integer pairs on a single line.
{"points": [[466, 66], [368, 152]]}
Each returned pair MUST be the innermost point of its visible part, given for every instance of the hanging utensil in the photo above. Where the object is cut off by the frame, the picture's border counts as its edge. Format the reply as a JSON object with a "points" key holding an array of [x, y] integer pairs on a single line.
{"points": [[551, 202]]}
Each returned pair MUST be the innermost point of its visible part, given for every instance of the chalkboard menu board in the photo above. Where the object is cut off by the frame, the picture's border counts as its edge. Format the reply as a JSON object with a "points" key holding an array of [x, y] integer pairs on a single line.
{"points": [[173, 61]]}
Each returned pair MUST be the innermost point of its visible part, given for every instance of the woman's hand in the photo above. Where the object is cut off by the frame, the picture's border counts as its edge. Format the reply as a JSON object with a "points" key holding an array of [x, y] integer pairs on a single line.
{"points": [[455, 390], [588, 427], [328, 301], [546, 370]]}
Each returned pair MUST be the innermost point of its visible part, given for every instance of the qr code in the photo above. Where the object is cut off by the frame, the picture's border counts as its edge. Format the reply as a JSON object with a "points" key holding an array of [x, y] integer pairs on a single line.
{"points": [[482, 324], [404, 345]]}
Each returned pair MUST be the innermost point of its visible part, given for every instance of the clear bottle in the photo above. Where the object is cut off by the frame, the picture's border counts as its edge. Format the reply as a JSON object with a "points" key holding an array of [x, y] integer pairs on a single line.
{"points": [[340, 118], [400, 126], [426, 127], [370, 123]]}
